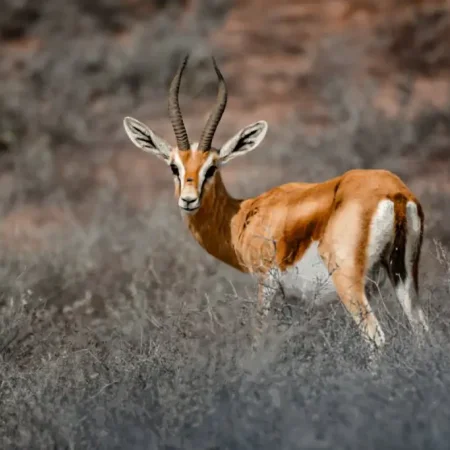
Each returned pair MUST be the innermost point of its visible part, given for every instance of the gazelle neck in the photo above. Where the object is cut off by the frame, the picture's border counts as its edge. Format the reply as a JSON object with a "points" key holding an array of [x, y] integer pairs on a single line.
{"points": [[212, 224]]}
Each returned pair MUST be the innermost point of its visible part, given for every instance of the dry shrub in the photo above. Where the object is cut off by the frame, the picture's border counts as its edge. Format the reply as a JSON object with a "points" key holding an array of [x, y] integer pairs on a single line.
{"points": [[419, 42]]}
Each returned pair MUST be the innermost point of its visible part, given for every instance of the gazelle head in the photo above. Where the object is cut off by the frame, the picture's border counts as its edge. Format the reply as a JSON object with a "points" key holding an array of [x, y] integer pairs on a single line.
{"points": [[194, 165]]}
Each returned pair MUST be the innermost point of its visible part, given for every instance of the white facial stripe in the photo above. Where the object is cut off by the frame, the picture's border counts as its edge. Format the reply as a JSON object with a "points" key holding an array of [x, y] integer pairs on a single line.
{"points": [[177, 161], [206, 165]]}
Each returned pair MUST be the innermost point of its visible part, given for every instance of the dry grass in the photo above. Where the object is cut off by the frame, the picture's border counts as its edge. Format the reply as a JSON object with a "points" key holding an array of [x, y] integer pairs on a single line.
{"points": [[108, 343]]}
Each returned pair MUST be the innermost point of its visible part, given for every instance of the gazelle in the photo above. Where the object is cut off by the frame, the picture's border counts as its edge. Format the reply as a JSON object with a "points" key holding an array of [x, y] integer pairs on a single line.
{"points": [[354, 223]]}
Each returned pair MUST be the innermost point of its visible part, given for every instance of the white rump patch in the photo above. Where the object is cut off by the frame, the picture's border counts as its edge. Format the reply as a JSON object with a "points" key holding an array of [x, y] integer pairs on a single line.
{"points": [[413, 217], [413, 236], [381, 231]]}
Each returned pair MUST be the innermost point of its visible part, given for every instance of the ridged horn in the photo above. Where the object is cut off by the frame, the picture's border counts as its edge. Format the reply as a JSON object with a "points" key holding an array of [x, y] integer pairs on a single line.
{"points": [[215, 116], [174, 108]]}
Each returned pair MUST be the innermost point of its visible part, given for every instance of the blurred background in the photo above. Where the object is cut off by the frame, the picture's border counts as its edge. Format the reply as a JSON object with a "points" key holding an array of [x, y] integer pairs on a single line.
{"points": [[95, 259], [342, 83]]}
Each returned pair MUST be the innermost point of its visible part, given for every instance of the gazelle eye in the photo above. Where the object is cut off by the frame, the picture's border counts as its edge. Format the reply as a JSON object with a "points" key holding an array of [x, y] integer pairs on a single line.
{"points": [[210, 172], [174, 170]]}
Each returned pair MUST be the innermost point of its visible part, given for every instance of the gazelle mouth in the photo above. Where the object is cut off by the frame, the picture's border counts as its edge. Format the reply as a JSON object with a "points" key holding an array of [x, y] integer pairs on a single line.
{"points": [[189, 210]]}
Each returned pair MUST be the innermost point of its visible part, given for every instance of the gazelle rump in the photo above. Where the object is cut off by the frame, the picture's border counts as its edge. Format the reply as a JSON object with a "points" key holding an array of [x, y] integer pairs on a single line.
{"points": [[353, 224]]}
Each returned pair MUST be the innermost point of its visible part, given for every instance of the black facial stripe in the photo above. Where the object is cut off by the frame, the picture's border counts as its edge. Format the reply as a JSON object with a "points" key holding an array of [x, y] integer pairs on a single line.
{"points": [[201, 189], [205, 179], [175, 170], [211, 171]]}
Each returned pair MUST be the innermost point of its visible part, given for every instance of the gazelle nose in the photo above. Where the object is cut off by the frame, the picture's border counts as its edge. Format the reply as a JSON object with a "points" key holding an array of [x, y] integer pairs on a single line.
{"points": [[189, 200]]}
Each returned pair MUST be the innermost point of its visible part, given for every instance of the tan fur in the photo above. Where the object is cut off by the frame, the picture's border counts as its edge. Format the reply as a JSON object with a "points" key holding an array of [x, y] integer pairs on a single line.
{"points": [[277, 227], [192, 161]]}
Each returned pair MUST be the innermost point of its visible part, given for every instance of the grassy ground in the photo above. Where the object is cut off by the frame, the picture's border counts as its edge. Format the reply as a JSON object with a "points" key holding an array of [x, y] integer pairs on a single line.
{"points": [[121, 332], [109, 343]]}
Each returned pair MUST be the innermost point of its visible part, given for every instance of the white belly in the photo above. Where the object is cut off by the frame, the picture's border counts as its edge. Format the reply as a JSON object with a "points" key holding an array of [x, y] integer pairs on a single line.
{"points": [[309, 278]]}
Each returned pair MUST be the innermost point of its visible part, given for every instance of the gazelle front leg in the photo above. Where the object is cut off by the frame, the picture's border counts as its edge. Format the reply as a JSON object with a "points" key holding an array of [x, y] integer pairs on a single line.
{"points": [[268, 286]]}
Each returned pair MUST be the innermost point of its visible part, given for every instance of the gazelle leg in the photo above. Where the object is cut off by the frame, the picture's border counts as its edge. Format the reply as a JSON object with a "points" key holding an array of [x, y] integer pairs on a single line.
{"points": [[409, 300], [268, 287], [350, 289], [350, 249], [406, 291]]}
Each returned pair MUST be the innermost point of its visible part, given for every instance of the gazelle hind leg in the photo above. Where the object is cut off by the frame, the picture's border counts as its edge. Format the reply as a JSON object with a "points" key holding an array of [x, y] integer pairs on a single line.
{"points": [[350, 288], [407, 294], [351, 255], [408, 297], [406, 283]]}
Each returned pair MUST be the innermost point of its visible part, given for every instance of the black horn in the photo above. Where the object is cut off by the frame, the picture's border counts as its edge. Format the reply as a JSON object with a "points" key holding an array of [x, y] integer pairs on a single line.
{"points": [[174, 108], [215, 116]]}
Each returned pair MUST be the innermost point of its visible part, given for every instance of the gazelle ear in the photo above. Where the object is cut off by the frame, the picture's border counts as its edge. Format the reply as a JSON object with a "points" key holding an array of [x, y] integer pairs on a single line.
{"points": [[141, 136], [243, 142]]}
